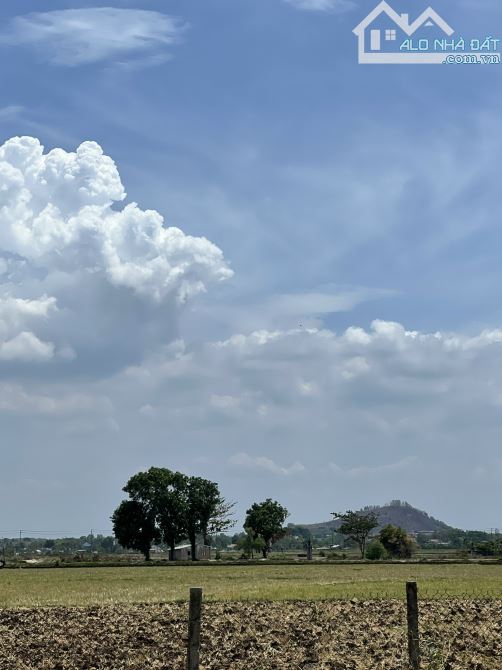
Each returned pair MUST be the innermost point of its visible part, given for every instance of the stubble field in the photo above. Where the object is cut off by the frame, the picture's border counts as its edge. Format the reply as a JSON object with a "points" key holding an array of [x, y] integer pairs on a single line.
{"points": [[315, 617]]}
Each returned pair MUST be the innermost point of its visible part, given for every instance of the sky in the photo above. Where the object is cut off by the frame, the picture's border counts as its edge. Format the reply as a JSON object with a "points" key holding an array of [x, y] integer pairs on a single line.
{"points": [[227, 248]]}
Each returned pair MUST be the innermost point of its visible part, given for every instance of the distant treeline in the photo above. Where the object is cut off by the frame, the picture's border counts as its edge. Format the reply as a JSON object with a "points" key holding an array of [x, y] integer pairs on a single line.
{"points": [[164, 508], [481, 543], [63, 545]]}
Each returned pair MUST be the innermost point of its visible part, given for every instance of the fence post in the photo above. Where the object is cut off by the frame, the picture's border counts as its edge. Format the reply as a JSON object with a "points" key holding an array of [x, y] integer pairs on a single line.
{"points": [[413, 635], [194, 617]]}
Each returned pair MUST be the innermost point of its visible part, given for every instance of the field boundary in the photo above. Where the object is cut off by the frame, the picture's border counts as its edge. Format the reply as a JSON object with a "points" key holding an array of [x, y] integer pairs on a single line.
{"points": [[239, 563]]}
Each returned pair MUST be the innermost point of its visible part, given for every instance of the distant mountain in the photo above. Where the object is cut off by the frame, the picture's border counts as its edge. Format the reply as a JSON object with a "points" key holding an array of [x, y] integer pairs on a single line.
{"points": [[397, 512]]}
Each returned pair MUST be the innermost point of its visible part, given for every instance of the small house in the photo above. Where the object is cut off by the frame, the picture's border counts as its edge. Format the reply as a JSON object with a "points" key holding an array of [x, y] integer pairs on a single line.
{"points": [[183, 552]]}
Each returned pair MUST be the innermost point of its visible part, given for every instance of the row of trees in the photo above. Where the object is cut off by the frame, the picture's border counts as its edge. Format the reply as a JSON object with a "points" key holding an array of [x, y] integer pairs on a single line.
{"points": [[166, 506], [391, 541], [169, 507], [59, 546]]}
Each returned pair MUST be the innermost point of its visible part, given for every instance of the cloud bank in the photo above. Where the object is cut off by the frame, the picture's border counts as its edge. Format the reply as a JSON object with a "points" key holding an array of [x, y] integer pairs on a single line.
{"points": [[363, 404], [73, 261]]}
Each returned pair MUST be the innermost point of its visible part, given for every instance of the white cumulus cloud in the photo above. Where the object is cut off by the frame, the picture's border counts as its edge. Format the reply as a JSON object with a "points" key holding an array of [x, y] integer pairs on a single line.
{"points": [[70, 255]]}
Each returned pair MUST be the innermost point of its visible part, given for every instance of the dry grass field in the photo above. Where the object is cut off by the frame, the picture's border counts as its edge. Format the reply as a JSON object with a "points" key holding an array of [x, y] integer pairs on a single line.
{"points": [[91, 586]]}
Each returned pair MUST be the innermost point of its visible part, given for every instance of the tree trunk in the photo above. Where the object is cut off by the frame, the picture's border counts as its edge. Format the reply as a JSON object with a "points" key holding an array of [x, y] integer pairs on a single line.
{"points": [[265, 551], [171, 550], [146, 552], [207, 542], [193, 547]]}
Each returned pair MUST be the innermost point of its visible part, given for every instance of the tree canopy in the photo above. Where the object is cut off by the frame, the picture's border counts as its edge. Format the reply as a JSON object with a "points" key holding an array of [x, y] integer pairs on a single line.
{"points": [[207, 511], [167, 506], [266, 521], [134, 527], [396, 541], [357, 526]]}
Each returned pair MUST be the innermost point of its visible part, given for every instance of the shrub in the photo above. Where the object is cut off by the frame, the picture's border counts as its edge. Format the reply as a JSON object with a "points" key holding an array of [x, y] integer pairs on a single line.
{"points": [[375, 551], [396, 541]]}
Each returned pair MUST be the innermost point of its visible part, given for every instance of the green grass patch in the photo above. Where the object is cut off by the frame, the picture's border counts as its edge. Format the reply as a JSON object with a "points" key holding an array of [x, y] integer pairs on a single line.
{"points": [[88, 586]]}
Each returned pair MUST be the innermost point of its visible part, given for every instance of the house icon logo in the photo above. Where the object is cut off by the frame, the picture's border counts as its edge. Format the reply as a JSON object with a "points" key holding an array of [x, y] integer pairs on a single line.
{"points": [[382, 33]]}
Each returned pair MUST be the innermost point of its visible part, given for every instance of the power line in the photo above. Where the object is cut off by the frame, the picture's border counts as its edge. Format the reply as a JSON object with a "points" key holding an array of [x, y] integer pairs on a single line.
{"points": [[60, 533]]}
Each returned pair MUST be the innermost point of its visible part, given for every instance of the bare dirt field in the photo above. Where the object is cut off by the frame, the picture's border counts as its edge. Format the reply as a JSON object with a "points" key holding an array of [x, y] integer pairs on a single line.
{"points": [[338, 635]]}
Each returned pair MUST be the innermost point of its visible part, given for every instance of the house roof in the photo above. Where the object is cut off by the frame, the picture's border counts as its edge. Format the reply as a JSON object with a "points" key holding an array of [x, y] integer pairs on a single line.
{"points": [[189, 546], [402, 20]]}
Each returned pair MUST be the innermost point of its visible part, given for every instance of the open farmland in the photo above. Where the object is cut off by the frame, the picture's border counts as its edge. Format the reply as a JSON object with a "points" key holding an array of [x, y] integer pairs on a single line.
{"points": [[91, 586], [325, 617], [337, 635]]}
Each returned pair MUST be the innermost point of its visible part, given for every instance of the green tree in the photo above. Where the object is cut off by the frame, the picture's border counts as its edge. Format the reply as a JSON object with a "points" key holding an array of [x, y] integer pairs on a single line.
{"points": [[172, 505], [491, 548], [248, 543], [108, 545], [134, 527], [396, 541], [164, 494], [207, 512], [266, 521], [175, 506], [375, 551], [357, 526]]}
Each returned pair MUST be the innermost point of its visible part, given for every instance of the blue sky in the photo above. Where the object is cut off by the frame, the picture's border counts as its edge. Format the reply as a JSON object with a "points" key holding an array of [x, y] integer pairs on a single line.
{"points": [[340, 327]]}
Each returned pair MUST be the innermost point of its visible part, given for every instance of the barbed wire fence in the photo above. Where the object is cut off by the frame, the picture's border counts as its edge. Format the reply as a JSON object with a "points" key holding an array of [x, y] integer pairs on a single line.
{"points": [[457, 628], [463, 630], [427, 629]]}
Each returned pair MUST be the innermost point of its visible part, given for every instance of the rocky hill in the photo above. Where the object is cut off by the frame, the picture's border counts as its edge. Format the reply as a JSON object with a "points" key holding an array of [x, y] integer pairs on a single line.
{"points": [[397, 512]]}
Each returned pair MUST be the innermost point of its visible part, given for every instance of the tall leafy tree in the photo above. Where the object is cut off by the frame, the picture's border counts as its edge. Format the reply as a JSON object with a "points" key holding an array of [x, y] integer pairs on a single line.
{"points": [[162, 494], [357, 526], [266, 521], [396, 541], [134, 527], [172, 507], [207, 512], [175, 506]]}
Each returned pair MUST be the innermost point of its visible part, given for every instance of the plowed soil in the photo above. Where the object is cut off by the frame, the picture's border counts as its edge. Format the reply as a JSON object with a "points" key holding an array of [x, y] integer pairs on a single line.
{"points": [[456, 635]]}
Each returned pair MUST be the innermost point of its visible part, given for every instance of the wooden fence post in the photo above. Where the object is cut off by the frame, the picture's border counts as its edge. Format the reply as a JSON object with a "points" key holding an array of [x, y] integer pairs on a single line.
{"points": [[194, 618], [413, 635]]}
